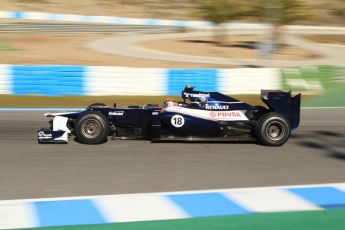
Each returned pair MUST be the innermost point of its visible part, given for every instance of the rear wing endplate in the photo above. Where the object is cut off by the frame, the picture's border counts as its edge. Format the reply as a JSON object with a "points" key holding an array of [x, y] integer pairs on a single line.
{"points": [[283, 103]]}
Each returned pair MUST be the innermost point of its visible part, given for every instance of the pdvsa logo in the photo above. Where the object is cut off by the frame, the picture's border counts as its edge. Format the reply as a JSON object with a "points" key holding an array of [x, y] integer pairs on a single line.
{"points": [[213, 114], [229, 114]]}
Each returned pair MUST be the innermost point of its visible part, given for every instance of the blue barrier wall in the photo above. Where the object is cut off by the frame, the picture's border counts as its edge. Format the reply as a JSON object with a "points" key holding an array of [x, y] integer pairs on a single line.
{"points": [[205, 79], [48, 80], [122, 20], [101, 19]]}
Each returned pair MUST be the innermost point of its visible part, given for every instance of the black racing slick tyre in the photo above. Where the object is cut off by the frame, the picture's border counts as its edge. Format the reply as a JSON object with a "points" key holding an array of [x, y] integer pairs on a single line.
{"points": [[272, 129], [92, 128]]}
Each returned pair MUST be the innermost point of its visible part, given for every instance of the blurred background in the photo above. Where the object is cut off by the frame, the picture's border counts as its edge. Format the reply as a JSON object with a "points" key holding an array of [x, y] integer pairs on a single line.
{"points": [[302, 40], [58, 55]]}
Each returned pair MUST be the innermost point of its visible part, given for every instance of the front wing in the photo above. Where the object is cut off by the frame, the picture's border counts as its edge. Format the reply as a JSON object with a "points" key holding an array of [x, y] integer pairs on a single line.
{"points": [[58, 134]]}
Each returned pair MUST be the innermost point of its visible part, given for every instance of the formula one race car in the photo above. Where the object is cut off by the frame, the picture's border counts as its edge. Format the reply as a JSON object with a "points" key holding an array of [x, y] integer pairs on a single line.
{"points": [[201, 116]]}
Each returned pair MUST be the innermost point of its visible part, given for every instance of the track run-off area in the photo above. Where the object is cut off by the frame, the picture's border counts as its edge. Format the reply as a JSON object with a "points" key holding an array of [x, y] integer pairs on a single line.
{"points": [[315, 154]]}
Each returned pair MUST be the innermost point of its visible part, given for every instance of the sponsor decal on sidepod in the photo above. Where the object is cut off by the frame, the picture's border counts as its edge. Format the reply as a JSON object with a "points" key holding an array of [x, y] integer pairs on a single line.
{"points": [[221, 107], [235, 115], [116, 113], [196, 95], [226, 114]]}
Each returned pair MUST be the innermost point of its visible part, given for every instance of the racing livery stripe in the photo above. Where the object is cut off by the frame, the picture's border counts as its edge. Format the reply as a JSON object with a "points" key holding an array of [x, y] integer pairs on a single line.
{"points": [[170, 205], [234, 115]]}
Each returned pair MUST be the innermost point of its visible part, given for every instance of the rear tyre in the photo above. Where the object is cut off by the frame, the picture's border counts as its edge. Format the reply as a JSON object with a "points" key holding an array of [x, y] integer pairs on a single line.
{"points": [[92, 128], [272, 129]]}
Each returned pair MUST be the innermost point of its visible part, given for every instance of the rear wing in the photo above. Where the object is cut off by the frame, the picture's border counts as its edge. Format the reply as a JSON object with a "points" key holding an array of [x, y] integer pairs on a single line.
{"points": [[283, 103]]}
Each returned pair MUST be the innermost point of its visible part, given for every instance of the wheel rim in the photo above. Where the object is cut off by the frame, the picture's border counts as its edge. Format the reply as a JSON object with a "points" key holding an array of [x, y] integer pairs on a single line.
{"points": [[91, 128], [275, 131]]}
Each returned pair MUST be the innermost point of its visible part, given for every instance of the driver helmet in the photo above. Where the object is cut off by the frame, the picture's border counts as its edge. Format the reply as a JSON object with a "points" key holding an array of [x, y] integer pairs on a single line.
{"points": [[203, 100], [170, 102]]}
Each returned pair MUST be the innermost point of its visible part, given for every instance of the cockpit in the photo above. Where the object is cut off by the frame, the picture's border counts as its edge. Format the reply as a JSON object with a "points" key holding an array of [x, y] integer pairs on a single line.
{"points": [[206, 100], [191, 99]]}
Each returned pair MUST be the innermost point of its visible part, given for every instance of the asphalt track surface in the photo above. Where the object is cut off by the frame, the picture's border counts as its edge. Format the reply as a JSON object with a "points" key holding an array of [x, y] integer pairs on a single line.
{"points": [[315, 154]]}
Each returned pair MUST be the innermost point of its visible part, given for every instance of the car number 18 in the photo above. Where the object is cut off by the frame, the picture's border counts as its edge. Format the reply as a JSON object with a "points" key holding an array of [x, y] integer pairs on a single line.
{"points": [[177, 121]]}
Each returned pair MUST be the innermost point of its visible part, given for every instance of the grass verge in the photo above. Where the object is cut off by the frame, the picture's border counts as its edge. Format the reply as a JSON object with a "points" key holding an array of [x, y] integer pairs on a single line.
{"points": [[332, 219]]}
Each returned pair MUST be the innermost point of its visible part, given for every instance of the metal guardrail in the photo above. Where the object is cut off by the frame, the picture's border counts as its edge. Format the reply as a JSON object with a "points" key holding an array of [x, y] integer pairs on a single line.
{"points": [[56, 27], [147, 21]]}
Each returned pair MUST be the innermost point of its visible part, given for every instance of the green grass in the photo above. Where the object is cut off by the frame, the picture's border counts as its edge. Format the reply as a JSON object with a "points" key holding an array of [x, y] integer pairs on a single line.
{"points": [[333, 219], [324, 74], [331, 78], [333, 97]]}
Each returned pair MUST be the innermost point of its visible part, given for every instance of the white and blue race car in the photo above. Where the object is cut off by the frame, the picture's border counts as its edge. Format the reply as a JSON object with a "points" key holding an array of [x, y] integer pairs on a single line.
{"points": [[201, 116]]}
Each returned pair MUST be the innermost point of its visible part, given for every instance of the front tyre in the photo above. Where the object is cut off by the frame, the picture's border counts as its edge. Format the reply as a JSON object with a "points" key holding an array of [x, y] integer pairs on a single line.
{"points": [[92, 128], [272, 129]]}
